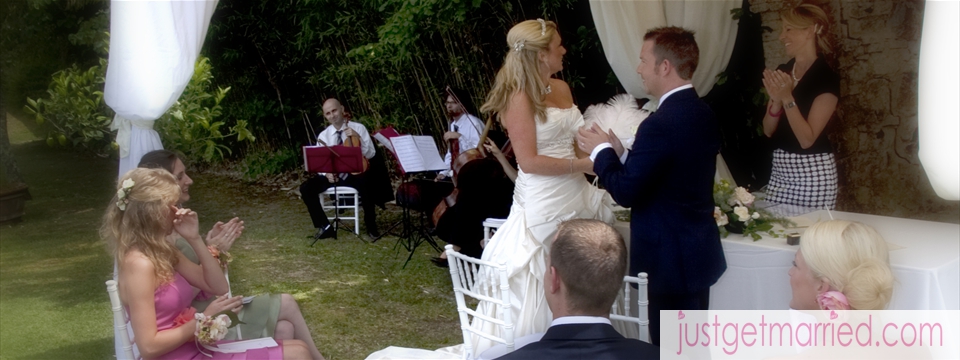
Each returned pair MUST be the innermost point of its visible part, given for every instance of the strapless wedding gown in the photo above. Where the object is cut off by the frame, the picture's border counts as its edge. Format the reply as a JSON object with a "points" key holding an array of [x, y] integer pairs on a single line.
{"points": [[540, 203]]}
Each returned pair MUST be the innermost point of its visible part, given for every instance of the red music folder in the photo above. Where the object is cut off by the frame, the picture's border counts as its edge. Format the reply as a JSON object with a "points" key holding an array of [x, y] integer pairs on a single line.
{"points": [[333, 159]]}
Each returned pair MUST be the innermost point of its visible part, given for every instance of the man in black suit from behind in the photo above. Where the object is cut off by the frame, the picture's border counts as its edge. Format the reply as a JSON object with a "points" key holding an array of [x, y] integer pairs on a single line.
{"points": [[584, 274]]}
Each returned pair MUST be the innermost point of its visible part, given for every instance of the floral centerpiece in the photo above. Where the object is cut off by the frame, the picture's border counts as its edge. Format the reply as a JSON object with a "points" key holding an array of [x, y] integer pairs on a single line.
{"points": [[735, 212]]}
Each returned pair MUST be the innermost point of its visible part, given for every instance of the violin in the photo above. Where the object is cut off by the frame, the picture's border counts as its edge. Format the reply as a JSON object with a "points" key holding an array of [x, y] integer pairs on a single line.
{"points": [[354, 141]]}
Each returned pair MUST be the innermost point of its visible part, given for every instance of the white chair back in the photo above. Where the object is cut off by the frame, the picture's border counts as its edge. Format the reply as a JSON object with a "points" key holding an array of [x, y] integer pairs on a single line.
{"points": [[343, 193], [642, 319], [490, 226], [120, 322], [464, 274]]}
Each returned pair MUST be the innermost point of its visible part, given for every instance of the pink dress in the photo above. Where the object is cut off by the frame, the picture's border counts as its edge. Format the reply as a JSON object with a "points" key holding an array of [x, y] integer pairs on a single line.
{"points": [[171, 300]]}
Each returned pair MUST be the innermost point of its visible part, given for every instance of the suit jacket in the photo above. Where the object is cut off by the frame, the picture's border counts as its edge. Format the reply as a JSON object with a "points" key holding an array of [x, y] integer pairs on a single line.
{"points": [[667, 181], [584, 341]]}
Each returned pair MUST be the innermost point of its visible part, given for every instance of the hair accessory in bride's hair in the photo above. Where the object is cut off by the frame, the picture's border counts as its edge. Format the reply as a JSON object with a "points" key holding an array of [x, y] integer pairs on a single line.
{"points": [[123, 194], [833, 300], [817, 28], [517, 46], [543, 27]]}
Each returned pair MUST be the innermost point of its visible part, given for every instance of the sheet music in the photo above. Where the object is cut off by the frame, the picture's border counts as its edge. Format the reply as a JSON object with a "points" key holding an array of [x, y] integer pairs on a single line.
{"points": [[244, 345], [417, 153], [430, 153], [384, 141]]}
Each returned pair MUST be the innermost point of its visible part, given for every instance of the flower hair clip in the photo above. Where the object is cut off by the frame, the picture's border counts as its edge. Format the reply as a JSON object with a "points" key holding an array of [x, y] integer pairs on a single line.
{"points": [[517, 46], [123, 194], [833, 300], [817, 28], [543, 27]]}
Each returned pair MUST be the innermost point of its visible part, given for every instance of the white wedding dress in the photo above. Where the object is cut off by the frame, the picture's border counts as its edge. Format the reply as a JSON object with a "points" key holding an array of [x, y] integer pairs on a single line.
{"points": [[540, 203]]}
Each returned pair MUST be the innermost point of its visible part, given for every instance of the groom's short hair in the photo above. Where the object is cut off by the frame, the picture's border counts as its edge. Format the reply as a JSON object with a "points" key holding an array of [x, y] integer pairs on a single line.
{"points": [[591, 259], [677, 45]]}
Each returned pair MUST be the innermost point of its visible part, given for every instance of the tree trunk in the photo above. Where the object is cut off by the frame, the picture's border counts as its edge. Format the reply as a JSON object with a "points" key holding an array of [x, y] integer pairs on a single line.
{"points": [[11, 174]]}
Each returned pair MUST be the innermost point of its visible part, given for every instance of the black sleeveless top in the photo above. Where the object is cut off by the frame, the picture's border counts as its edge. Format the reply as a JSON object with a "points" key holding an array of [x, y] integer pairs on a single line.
{"points": [[819, 79]]}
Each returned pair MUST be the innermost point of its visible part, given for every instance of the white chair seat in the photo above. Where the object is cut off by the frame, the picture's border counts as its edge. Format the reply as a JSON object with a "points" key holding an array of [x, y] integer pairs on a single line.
{"points": [[346, 198]]}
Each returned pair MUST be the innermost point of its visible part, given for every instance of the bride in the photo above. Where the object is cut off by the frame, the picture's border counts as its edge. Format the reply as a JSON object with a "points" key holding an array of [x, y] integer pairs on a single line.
{"points": [[541, 119]]}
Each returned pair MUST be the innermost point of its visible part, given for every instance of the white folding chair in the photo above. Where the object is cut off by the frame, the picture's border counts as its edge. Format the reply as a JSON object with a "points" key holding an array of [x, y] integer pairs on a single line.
{"points": [[346, 198], [463, 273], [642, 319], [125, 350], [490, 226]]}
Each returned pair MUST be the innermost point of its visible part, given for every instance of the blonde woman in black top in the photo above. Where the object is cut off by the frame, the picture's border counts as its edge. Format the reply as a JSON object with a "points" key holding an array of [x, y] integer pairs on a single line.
{"points": [[804, 94]]}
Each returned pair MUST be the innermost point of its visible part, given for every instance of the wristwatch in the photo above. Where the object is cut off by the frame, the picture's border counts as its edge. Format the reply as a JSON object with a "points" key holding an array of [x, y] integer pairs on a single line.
{"points": [[790, 104]]}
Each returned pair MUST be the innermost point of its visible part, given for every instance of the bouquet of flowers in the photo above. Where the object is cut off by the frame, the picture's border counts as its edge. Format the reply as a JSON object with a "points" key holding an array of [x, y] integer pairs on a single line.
{"points": [[735, 212]]}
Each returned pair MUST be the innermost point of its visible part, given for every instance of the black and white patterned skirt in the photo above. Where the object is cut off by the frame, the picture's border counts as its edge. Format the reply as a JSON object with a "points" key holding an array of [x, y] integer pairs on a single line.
{"points": [[808, 180]]}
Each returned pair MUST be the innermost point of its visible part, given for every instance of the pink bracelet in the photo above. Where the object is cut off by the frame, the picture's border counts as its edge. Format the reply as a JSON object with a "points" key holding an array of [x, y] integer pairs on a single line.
{"points": [[774, 115]]}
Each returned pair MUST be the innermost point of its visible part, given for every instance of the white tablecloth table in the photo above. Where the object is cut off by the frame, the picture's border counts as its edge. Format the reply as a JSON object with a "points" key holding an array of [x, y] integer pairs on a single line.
{"points": [[924, 257]]}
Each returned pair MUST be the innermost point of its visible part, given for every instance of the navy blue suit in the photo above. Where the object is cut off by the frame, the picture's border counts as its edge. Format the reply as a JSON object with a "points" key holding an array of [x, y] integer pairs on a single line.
{"points": [[667, 181], [584, 341]]}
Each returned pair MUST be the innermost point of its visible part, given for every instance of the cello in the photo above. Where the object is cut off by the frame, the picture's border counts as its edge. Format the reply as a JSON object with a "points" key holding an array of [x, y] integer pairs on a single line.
{"points": [[460, 159]]}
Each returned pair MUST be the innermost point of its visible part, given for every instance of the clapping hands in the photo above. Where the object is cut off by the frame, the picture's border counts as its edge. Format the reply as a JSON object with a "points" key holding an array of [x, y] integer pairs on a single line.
{"points": [[779, 85], [222, 235], [186, 223]]}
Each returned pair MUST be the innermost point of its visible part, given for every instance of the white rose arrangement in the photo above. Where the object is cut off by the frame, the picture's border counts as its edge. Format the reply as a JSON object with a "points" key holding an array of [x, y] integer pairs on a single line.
{"points": [[735, 212]]}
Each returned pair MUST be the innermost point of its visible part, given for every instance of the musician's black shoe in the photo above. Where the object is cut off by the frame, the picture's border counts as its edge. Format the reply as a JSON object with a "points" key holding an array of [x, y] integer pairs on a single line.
{"points": [[440, 262], [325, 233], [373, 234]]}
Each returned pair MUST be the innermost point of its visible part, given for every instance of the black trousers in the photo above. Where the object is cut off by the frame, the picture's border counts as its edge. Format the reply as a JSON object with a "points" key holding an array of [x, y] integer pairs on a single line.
{"points": [[693, 301], [310, 194]]}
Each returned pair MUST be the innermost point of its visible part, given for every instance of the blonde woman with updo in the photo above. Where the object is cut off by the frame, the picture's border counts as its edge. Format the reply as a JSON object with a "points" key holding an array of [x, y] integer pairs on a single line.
{"points": [[841, 265], [542, 121], [155, 279], [804, 94]]}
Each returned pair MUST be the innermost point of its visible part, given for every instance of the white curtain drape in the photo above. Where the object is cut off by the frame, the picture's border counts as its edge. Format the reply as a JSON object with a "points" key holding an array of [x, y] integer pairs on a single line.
{"points": [[938, 115], [153, 48], [621, 25]]}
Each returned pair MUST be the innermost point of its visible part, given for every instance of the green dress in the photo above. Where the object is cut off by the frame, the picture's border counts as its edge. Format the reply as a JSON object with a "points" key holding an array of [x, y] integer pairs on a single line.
{"points": [[259, 316]]}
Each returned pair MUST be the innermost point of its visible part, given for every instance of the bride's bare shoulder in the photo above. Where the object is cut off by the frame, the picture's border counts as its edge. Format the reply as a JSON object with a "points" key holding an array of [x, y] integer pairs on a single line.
{"points": [[560, 95]]}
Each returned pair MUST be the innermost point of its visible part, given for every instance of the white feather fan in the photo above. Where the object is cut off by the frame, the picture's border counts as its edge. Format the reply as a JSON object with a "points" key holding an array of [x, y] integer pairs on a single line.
{"points": [[621, 114]]}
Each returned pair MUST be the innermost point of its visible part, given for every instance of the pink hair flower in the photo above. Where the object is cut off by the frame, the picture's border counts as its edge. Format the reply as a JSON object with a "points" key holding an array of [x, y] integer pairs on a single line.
{"points": [[833, 300]]}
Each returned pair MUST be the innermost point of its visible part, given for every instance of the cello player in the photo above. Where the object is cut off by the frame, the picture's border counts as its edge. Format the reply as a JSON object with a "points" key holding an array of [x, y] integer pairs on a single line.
{"points": [[464, 127], [339, 132]]}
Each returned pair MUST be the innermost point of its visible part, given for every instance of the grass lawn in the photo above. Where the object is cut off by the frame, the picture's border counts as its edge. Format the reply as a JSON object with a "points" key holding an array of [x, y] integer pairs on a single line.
{"points": [[354, 295]]}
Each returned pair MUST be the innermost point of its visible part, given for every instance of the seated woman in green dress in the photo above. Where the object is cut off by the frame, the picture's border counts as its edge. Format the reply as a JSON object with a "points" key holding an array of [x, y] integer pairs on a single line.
{"points": [[271, 315]]}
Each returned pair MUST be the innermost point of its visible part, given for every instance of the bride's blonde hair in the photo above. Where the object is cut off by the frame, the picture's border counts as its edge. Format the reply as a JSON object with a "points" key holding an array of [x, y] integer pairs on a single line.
{"points": [[143, 222], [521, 67], [854, 257]]}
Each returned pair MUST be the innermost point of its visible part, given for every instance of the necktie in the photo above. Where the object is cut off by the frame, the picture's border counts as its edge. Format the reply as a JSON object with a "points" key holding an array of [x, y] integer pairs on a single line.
{"points": [[339, 137]]}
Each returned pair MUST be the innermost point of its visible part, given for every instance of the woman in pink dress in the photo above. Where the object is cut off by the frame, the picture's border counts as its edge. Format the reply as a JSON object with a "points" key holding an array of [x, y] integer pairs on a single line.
{"points": [[155, 279]]}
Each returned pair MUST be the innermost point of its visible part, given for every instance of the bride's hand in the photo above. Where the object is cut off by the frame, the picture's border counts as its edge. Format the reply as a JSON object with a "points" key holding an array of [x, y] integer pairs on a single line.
{"points": [[588, 139]]}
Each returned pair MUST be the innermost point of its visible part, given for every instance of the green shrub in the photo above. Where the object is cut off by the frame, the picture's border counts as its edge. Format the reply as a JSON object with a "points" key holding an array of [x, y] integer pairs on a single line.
{"points": [[266, 162], [76, 115], [190, 125], [74, 110]]}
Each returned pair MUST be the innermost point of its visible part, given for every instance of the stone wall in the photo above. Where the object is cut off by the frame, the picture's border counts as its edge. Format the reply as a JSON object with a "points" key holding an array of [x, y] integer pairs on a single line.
{"points": [[875, 134]]}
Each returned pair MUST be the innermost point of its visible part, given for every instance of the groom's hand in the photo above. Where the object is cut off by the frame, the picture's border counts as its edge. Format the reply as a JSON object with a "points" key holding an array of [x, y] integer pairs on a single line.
{"points": [[615, 143], [588, 139]]}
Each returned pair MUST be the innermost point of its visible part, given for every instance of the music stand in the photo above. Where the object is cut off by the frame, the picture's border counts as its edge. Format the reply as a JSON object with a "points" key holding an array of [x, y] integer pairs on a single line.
{"points": [[335, 160]]}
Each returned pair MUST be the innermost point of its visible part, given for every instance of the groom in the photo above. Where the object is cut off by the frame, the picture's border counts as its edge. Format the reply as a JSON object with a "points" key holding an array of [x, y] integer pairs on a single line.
{"points": [[667, 179]]}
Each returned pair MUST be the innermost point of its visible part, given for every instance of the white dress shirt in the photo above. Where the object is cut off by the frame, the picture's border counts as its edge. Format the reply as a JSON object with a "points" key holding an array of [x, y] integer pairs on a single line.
{"points": [[469, 128], [333, 136]]}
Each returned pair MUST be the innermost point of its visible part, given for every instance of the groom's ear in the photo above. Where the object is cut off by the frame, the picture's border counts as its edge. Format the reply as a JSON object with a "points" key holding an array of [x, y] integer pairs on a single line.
{"points": [[666, 67]]}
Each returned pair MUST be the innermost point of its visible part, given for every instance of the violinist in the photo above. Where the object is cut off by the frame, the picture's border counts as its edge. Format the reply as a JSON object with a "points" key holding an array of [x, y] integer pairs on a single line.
{"points": [[340, 132], [464, 129]]}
